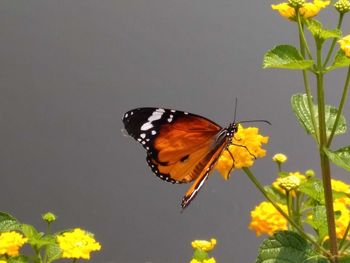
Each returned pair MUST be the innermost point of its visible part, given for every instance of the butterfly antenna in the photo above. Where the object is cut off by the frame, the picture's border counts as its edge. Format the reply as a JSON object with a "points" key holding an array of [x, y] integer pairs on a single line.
{"points": [[256, 121], [234, 117]]}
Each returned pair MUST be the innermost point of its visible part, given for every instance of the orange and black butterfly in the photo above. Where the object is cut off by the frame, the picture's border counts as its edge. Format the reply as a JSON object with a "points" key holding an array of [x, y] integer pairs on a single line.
{"points": [[181, 147]]}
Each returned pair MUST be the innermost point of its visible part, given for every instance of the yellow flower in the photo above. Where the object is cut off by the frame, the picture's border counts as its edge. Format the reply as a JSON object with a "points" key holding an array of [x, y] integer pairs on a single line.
{"points": [[2, 261], [340, 186], [290, 182], [279, 158], [11, 242], [285, 10], [307, 10], [266, 219], [204, 244], [342, 222], [345, 45], [210, 260], [243, 156], [296, 177], [77, 244]]}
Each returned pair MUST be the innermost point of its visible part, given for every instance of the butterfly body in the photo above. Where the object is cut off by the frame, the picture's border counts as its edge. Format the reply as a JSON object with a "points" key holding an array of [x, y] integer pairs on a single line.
{"points": [[181, 147]]}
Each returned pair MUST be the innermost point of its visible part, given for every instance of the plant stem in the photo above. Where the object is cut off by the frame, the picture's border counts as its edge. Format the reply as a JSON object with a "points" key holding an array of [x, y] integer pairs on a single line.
{"points": [[302, 35], [306, 78], [340, 21], [289, 206], [340, 108], [325, 167], [284, 214]]}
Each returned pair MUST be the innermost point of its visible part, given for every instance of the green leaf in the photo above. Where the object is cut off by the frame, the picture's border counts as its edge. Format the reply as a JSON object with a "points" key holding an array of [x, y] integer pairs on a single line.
{"points": [[340, 60], [313, 187], [340, 157], [319, 221], [53, 252], [19, 259], [287, 247], [6, 216], [9, 225], [345, 259], [319, 32], [300, 107], [275, 194], [287, 57], [35, 238]]}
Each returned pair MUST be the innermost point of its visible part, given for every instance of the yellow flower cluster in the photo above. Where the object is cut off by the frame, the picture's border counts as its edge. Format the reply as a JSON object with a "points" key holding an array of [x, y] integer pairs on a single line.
{"points": [[342, 221], [204, 245], [307, 10], [345, 45], [77, 244], [290, 182], [247, 144], [210, 260], [266, 219], [11, 242]]}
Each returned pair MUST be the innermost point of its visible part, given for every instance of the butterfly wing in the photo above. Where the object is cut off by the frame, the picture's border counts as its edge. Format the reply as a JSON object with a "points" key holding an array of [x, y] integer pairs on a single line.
{"points": [[181, 147]]}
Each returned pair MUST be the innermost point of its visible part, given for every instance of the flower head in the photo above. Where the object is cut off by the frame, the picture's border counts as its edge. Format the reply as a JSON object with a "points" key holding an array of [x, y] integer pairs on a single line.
{"points": [[340, 186], [11, 242], [290, 182], [77, 244], [343, 6], [266, 219], [49, 217], [306, 9], [279, 158], [246, 146], [345, 45], [204, 245]]}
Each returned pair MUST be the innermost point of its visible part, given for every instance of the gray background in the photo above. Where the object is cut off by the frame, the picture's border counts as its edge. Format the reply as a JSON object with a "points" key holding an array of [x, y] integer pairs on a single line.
{"points": [[70, 69]]}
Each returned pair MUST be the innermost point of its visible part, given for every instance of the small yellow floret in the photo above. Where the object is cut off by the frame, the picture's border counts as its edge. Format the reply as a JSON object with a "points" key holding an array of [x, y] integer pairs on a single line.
{"points": [[285, 10], [279, 158], [345, 45], [77, 244], [267, 220], [11, 242], [204, 245], [247, 143]]}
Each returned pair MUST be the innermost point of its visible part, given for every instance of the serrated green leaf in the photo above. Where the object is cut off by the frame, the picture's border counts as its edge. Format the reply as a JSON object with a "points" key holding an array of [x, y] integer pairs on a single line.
{"points": [[9, 225], [6, 216], [313, 187], [53, 252], [340, 60], [275, 194], [19, 259], [340, 157], [318, 221], [300, 107], [319, 32], [287, 57], [286, 247]]}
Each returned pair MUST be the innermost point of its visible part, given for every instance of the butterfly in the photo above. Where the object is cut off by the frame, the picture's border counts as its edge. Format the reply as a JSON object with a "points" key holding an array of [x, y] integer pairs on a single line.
{"points": [[181, 147]]}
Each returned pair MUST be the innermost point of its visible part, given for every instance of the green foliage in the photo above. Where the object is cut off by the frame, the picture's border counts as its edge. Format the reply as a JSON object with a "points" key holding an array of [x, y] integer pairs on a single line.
{"points": [[287, 247], [276, 195], [340, 157], [313, 188], [340, 60], [286, 57], [53, 252], [317, 30], [300, 107], [19, 259], [318, 221]]}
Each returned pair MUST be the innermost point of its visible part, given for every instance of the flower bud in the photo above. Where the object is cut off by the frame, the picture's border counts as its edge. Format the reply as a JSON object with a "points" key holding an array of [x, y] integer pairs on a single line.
{"points": [[342, 6], [49, 217], [289, 183], [296, 3], [310, 173], [279, 158]]}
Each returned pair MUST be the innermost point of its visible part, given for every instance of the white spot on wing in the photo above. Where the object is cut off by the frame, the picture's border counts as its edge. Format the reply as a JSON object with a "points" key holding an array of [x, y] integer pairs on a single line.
{"points": [[143, 135], [153, 132], [146, 126]]}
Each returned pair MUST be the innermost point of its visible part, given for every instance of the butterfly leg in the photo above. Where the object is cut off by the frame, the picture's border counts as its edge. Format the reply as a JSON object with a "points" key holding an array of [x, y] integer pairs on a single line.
{"points": [[233, 162], [245, 147]]}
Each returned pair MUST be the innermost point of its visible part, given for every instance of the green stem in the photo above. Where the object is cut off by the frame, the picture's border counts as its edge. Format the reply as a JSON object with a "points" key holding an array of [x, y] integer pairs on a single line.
{"points": [[284, 214], [325, 167], [340, 108], [289, 206], [340, 21], [306, 78], [302, 35]]}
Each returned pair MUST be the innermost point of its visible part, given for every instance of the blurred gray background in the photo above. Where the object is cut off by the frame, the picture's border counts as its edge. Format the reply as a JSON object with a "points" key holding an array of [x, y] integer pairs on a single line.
{"points": [[69, 69]]}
